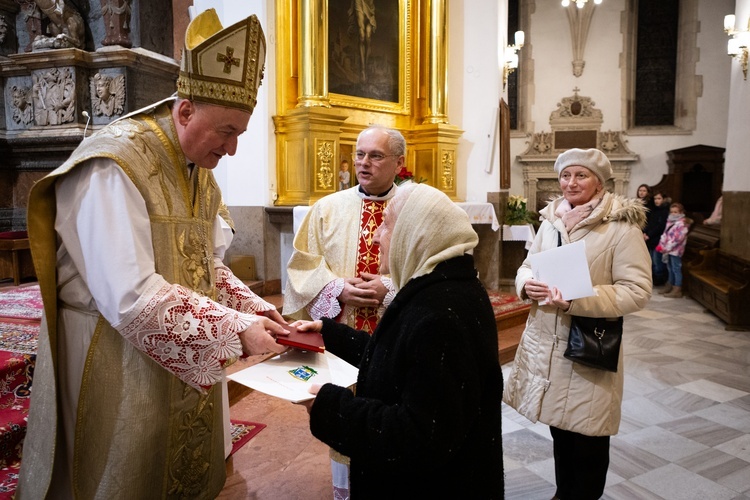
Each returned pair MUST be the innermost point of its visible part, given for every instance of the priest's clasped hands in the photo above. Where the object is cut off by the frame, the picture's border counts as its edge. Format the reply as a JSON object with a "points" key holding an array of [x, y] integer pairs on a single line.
{"points": [[367, 290]]}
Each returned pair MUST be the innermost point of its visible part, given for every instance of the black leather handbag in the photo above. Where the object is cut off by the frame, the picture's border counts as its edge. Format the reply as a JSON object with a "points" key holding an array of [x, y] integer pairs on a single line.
{"points": [[595, 342]]}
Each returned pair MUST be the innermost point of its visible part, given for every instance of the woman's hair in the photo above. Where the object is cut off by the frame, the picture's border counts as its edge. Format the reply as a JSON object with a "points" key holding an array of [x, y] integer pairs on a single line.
{"points": [[649, 194], [678, 206]]}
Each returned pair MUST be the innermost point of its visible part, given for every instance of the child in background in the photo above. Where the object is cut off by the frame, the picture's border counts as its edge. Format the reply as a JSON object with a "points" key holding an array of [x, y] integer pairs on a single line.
{"points": [[656, 222], [344, 176], [672, 247]]}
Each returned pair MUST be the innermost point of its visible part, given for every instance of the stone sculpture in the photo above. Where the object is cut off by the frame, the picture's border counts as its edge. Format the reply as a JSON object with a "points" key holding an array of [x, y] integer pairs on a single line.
{"points": [[108, 94], [66, 28]]}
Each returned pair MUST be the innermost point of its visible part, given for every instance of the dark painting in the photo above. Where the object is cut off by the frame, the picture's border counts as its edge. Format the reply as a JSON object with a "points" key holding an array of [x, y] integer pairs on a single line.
{"points": [[363, 48]]}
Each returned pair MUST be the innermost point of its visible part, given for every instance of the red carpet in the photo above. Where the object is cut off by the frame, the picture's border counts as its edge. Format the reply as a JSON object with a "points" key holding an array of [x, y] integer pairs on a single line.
{"points": [[18, 336], [242, 432], [16, 371], [504, 303], [24, 302], [20, 315]]}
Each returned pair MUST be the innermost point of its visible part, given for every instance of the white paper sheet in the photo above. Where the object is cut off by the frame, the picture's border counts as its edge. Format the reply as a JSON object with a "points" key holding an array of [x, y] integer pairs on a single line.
{"points": [[564, 267], [273, 376]]}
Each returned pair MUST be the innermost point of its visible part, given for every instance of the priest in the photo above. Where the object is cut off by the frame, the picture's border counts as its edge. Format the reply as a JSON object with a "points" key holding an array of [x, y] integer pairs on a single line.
{"points": [[140, 314], [333, 270]]}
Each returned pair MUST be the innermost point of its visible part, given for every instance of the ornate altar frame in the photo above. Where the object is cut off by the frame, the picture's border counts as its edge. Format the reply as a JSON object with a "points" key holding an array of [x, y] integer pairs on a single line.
{"points": [[402, 104], [314, 127]]}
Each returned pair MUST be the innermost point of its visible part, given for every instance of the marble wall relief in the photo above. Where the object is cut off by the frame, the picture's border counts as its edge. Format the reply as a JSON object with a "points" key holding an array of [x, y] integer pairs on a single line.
{"points": [[107, 94], [54, 97]]}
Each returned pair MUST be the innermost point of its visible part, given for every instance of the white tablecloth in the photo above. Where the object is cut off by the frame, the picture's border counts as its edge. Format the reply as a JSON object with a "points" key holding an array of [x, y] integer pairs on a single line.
{"points": [[519, 233], [479, 213]]}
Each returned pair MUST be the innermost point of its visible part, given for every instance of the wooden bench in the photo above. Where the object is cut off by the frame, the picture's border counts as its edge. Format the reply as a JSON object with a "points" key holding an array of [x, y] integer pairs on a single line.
{"points": [[721, 282], [510, 319], [15, 256]]}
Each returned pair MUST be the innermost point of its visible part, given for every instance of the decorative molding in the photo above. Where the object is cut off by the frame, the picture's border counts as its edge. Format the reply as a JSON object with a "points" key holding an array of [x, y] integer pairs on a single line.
{"points": [[324, 157], [107, 94], [54, 97], [575, 123], [580, 20], [448, 165]]}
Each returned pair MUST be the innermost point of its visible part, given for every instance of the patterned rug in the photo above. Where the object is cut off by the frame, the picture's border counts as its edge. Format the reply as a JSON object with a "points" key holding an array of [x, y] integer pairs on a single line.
{"points": [[18, 337], [504, 303], [9, 480], [242, 432], [23, 302], [16, 372]]}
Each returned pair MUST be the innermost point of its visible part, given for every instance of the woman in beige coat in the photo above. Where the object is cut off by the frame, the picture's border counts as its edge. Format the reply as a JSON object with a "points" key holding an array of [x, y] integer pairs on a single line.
{"points": [[580, 404]]}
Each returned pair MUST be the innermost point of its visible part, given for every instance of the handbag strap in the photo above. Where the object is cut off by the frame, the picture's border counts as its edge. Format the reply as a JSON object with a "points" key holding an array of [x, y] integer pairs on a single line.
{"points": [[559, 239]]}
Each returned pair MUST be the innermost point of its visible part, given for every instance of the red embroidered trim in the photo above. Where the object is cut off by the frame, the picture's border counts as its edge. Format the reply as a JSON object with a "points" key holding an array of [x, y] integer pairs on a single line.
{"points": [[233, 293], [368, 258]]}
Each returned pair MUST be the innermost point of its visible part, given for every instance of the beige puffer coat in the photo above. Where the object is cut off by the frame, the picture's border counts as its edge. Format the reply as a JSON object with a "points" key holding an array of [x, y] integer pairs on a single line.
{"points": [[544, 386]]}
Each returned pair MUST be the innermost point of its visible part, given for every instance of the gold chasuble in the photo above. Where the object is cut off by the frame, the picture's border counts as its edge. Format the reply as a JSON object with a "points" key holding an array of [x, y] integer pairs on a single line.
{"points": [[119, 418]]}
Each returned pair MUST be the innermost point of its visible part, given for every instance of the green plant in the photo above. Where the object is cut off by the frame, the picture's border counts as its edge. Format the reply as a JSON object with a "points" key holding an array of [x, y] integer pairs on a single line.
{"points": [[516, 213]]}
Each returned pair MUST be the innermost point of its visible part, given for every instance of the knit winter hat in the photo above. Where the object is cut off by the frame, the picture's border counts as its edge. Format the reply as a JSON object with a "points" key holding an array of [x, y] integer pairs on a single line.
{"points": [[592, 159]]}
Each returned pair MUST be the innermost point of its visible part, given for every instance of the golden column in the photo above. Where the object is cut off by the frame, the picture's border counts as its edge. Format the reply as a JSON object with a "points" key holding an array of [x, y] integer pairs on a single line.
{"points": [[311, 125], [312, 49], [308, 135], [434, 142], [438, 63]]}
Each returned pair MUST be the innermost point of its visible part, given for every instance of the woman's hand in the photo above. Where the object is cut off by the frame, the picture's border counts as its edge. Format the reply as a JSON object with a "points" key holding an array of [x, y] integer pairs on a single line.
{"points": [[308, 326], [314, 388], [537, 290], [555, 298]]}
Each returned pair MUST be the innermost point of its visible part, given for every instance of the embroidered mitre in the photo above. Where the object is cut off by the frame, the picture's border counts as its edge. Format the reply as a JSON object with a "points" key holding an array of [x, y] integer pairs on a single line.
{"points": [[222, 66]]}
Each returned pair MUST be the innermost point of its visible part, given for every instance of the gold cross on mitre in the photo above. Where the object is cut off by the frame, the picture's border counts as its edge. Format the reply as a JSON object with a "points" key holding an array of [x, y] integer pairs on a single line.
{"points": [[207, 67], [228, 59]]}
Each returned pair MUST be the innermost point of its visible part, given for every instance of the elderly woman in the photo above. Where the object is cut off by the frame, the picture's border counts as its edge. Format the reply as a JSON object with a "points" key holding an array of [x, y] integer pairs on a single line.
{"points": [[425, 421], [580, 404]]}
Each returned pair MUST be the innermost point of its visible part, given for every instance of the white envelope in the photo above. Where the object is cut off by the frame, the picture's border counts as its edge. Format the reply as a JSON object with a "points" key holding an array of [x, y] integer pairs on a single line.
{"points": [[290, 374], [565, 268]]}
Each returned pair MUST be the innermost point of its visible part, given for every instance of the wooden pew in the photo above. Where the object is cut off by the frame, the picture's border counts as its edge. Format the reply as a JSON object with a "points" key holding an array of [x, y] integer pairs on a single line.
{"points": [[721, 282]]}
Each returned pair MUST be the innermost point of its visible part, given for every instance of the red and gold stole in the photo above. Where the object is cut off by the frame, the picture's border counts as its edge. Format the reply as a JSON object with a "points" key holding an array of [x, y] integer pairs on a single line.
{"points": [[368, 258]]}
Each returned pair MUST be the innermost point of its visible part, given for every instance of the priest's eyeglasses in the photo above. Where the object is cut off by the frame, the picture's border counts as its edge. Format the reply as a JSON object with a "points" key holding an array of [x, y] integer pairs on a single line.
{"points": [[359, 156]]}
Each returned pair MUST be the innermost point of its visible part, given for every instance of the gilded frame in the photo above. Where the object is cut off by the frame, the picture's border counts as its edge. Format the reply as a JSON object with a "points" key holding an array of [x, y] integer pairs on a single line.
{"points": [[401, 105]]}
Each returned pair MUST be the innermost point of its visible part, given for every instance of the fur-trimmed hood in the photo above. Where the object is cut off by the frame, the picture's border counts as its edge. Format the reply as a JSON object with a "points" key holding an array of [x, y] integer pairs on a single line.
{"points": [[613, 208]]}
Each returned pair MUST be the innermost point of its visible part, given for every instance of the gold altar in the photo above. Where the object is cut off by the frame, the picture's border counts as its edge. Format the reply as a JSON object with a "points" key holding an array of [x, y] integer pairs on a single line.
{"points": [[328, 91]]}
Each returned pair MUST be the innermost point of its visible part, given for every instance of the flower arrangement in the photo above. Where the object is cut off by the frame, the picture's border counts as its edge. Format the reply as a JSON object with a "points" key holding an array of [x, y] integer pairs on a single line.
{"points": [[516, 213], [404, 175]]}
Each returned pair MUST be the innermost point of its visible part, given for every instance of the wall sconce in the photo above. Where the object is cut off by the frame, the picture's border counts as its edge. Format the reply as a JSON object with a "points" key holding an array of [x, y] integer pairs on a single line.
{"points": [[511, 56], [738, 42], [579, 3]]}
